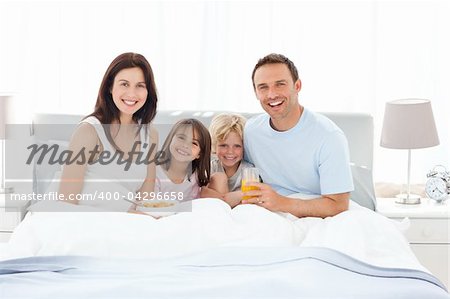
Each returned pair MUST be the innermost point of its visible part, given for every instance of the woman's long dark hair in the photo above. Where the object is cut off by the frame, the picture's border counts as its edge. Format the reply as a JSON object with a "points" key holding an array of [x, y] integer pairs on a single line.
{"points": [[201, 165], [105, 108]]}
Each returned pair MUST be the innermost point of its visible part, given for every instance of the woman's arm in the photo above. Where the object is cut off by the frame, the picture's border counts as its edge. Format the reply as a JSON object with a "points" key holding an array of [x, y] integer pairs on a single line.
{"points": [[84, 139]]}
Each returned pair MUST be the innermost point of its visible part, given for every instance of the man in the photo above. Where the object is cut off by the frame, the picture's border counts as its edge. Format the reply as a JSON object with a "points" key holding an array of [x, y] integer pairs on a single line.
{"points": [[296, 150]]}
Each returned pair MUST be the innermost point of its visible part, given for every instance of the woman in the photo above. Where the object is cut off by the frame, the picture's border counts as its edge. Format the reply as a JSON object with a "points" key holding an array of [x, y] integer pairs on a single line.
{"points": [[118, 138]]}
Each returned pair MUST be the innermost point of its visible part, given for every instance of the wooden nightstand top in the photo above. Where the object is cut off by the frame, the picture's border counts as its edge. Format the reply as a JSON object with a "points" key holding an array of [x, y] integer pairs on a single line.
{"points": [[426, 209]]}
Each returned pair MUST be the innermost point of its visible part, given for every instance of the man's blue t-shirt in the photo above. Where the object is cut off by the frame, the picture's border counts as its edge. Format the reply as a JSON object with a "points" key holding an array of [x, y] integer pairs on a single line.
{"points": [[310, 158]]}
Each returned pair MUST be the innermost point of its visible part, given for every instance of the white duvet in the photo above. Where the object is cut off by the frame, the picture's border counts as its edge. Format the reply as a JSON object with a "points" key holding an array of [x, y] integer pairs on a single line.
{"points": [[358, 232]]}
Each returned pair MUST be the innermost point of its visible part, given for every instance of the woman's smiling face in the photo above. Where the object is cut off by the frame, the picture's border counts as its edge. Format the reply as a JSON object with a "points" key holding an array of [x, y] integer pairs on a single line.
{"points": [[129, 91]]}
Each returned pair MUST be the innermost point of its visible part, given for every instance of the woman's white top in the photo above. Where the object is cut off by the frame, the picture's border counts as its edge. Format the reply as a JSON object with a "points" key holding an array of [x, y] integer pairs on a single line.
{"points": [[106, 184]]}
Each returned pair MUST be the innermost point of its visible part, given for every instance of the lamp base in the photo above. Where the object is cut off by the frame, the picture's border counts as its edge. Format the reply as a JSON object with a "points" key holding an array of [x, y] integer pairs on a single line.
{"points": [[6, 190], [408, 199]]}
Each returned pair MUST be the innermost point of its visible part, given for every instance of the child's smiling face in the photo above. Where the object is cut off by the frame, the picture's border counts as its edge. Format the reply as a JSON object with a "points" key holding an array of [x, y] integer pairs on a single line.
{"points": [[185, 146], [230, 151]]}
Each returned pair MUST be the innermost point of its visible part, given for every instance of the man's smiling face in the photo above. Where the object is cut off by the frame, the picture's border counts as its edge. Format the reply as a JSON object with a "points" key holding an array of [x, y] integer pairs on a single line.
{"points": [[276, 90]]}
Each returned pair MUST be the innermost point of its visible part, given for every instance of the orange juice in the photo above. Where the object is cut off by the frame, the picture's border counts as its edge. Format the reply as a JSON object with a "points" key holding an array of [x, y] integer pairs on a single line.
{"points": [[245, 188]]}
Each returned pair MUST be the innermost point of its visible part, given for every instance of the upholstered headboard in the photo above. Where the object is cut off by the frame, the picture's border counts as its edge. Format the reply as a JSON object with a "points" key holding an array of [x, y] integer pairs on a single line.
{"points": [[358, 128]]}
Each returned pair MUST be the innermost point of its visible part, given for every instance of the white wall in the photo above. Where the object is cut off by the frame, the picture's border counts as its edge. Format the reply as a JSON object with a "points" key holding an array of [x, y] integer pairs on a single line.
{"points": [[352, 56]]}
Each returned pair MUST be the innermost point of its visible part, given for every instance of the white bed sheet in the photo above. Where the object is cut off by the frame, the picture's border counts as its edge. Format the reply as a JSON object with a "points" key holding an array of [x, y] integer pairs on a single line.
{"points": [[3, 248], [358, 232]]}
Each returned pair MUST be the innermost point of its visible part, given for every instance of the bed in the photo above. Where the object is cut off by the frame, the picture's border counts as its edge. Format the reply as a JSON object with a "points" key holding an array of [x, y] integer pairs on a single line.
{"points": [[215, 251]]}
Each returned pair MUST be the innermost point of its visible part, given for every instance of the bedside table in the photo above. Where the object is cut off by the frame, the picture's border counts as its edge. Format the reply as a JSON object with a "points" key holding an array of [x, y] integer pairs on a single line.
{"points": [[11, 216], [428, 234]]}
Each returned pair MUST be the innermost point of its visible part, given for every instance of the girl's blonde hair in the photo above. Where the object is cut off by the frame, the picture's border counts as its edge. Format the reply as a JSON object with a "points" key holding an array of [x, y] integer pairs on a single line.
{"points": [[223, 124]]}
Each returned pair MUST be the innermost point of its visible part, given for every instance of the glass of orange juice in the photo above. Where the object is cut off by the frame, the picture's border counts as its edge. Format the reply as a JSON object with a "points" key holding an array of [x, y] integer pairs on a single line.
{"points": [[249, 175]]}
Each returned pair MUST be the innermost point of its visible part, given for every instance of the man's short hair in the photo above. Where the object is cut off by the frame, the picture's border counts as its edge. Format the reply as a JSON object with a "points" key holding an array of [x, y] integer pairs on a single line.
{"points": [[274, 58]]}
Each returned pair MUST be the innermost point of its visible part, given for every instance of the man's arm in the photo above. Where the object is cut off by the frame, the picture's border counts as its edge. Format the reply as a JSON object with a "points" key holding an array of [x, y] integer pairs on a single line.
{"points": [[325, 206]]}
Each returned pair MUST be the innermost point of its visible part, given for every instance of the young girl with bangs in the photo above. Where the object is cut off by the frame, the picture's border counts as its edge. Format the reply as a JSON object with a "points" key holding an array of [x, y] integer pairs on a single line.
{"points": [[186, 161]]}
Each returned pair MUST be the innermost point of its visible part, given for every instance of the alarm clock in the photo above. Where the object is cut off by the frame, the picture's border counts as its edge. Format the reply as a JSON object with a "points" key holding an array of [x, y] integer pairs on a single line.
{"points": [[437, 186]]}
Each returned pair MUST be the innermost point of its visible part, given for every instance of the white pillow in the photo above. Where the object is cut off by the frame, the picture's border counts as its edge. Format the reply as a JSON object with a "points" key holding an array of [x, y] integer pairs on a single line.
{"points": [[364, 192]]}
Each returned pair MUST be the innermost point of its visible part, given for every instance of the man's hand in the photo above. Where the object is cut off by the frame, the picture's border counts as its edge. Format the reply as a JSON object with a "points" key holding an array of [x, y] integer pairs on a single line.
{"points": [[324, 206], [266, 197]]}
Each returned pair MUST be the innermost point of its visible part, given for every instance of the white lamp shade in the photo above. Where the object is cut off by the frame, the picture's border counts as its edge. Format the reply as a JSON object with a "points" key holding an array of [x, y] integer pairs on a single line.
{"points": [[409, 124]]}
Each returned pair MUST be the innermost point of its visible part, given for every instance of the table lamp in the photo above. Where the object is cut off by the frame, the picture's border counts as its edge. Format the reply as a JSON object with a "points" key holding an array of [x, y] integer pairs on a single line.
{"points": [[409, 124], [4, 116]]}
